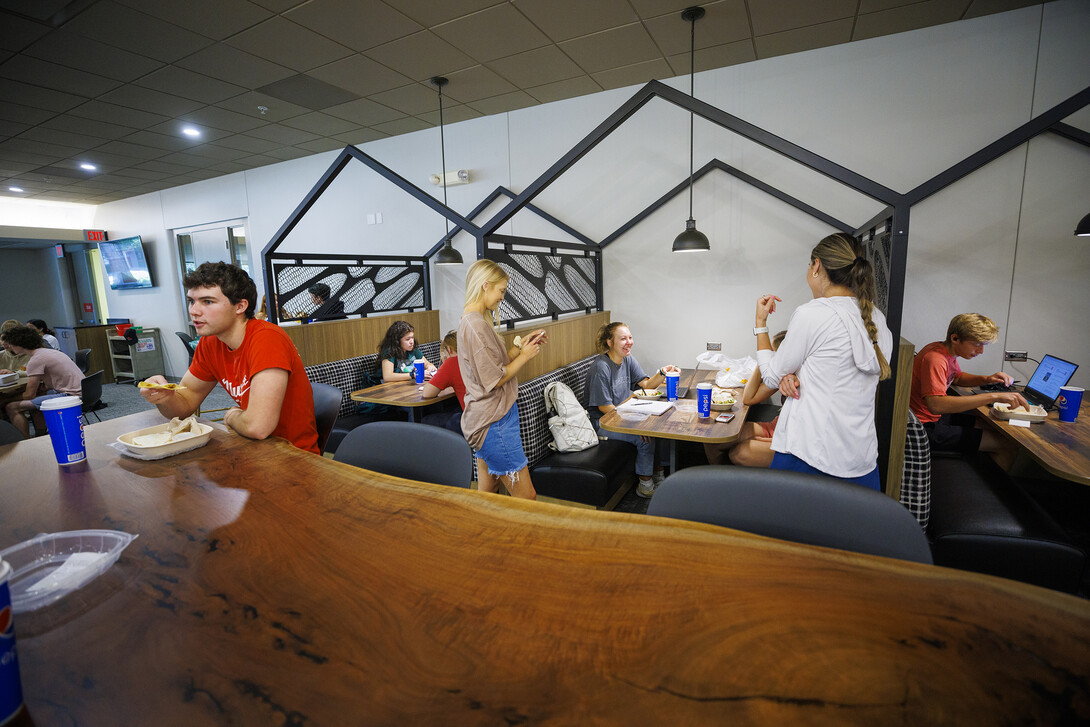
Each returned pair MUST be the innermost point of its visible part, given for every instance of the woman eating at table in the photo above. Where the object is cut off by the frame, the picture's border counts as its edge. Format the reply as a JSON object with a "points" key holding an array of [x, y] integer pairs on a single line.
{"points": [[611, 380], [398, 351], [490, 421], [838, 347]]}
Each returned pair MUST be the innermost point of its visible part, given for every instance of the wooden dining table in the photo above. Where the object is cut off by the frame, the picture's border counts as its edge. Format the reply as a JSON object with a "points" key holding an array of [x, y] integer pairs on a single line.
{"points": [[408, 395], [272, 586], [1061, 448], [681, 423]]}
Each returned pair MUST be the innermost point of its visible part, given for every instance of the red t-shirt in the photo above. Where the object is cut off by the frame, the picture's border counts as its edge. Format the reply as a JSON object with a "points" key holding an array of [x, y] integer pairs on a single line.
{"points": [[264, 346], [449, 374], [933, 372]]}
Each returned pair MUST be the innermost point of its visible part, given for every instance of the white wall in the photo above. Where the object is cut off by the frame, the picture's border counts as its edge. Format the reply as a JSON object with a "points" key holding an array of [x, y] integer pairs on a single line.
{"points": [[898, 110], [30, 286]]}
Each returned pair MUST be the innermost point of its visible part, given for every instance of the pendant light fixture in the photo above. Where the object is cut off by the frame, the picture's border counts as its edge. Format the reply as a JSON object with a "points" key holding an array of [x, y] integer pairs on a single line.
{"points": [[691, 240], [1083, 228], [447, 255]]}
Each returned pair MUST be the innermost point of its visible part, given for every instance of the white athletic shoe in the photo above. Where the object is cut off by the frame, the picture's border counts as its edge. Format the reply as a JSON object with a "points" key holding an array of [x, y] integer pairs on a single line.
{"points": [[646, 488]]}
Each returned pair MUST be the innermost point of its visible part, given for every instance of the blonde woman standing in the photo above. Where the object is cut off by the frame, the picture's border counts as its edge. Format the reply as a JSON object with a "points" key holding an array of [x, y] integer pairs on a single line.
{"points": [[836, 350], [490, 421]]}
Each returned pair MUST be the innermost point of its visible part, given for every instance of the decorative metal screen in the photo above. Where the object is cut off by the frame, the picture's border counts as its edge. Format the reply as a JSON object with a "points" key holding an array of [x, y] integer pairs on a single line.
{"points": [[877, 246], [361, 289], [547, 284]]}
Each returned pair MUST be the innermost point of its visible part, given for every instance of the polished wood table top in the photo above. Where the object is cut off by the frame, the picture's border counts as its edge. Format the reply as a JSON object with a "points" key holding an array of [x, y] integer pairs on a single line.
{"points": [[1062, 448], [682, 422], [272, 586], [399, 393]]}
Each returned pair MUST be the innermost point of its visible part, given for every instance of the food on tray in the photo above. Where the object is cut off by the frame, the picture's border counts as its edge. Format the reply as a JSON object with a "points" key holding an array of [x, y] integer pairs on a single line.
{"points": [[177, 430], [146, 385], [722, 397], [1020, 409], [649, 393]]}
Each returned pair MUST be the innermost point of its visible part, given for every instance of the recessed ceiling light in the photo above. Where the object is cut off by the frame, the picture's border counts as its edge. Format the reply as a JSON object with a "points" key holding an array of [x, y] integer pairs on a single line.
{"points": [[190, 131], [88, 167], [15, 189]]}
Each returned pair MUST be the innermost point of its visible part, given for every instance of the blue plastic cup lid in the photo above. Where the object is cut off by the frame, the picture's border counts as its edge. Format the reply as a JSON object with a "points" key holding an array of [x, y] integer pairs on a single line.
{"points": [[60, 402]]}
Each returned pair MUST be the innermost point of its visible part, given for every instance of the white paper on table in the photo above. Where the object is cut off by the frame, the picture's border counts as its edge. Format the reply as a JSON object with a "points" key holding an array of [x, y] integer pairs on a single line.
{"points": [[72, 572], [1018, 423], [642, 406]]}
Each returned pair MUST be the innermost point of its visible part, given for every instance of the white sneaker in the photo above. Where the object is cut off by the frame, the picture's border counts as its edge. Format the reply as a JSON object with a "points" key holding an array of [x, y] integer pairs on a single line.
{"points": [[657, 478], [646, 488]]}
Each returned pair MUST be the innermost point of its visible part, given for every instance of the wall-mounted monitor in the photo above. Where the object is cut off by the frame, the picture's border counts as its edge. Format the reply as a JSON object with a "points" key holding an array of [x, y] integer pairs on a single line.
{"points": [[126, 266]]}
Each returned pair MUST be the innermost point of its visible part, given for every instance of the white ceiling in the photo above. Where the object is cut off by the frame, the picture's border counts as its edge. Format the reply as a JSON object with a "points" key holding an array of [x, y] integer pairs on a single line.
{"points": [[112, 82]]}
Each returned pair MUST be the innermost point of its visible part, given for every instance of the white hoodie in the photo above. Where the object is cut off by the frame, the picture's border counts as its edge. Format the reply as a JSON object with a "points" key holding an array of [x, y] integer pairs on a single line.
{"points": [[831, 425]]}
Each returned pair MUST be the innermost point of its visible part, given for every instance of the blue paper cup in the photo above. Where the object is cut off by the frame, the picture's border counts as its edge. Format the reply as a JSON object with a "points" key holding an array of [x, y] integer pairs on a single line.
{"points": [[418, 368], [1068, 402], [63, 418], [671, 385], [703, 400], [11, 691]]}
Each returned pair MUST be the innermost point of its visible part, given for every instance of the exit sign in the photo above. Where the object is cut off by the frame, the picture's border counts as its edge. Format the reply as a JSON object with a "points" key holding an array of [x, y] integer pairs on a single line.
{"points": [[94, 235]]}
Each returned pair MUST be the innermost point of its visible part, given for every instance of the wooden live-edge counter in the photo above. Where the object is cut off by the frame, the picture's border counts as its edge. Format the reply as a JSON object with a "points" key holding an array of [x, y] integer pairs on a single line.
{"points": [[273, 586]]}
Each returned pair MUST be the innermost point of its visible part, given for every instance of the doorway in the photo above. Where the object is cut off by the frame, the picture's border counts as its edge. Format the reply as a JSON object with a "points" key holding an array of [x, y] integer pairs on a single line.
{"points": [[218, 242]]}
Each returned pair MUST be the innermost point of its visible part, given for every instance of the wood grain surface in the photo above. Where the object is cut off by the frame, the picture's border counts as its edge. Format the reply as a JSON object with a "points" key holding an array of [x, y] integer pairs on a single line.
{"points": [[682, 422], [399, 393], [1062, 448], [570, 339], [270, 586], [902, 391], [327, 341]]}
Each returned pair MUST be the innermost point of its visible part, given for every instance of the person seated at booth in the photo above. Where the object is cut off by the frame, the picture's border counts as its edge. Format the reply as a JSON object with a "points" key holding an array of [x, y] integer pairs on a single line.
{"points": [[328, 310], [449, 375], [48, 336], [255, 362], [936, 369], [612, 378], [55, 373], [398, 351]]}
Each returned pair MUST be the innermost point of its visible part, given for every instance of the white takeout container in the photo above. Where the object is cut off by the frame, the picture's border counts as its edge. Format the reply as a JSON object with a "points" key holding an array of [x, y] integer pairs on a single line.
{"points": [[44, 569], [203, 434], [8, 379], [1036, 413]]}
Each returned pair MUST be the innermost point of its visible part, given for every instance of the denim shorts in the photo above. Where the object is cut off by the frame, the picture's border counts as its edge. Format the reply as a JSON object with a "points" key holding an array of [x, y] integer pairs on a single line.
{"points": [[783, 461], [502, 447], [51, 394]]}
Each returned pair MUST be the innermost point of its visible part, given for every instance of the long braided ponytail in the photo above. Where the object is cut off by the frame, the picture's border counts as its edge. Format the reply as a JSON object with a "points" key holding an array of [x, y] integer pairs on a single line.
{"points": [[842, 257]]}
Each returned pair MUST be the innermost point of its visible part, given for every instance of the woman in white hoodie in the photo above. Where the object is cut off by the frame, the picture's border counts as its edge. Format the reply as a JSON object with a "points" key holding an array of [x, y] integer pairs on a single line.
{"points": [[836, 350]]}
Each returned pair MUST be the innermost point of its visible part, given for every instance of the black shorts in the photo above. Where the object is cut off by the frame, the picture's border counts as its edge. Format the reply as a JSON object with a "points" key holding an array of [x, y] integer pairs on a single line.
{"points": [[953, 433]]}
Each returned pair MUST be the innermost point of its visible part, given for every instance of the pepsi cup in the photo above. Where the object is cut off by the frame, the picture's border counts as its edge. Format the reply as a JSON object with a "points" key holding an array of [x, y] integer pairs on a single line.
{"points": [[11, 692], [703, 400], [63, 418], [671, 385], [418, 369], [1068, 402]]}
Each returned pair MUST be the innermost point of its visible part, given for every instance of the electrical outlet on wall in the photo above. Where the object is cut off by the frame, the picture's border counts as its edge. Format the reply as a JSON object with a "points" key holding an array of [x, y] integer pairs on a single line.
{"points": [[715, 347]]}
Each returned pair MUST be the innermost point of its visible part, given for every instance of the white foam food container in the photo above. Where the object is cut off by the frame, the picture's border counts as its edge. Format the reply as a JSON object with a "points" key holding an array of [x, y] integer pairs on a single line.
{"points": [[1035, 413], [8, 379], [51, 565], [202, 433]]}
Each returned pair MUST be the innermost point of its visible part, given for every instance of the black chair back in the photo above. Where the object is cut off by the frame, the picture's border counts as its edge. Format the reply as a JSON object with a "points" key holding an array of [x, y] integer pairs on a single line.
{"points": [[802, 508], [327, 400], [190, 343], [92, 395], [409, 450], [83, 359], [9, 434]]}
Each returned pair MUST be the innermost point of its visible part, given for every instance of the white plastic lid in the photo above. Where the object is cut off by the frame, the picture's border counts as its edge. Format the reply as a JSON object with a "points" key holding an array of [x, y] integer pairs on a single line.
{"points": [[60, 402], [704, 385], [5, 570]]}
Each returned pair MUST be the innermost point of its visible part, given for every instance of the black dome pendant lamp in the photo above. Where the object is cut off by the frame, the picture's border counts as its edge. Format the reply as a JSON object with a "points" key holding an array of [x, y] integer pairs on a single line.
{"points": [[447, 255], [691, 240]]}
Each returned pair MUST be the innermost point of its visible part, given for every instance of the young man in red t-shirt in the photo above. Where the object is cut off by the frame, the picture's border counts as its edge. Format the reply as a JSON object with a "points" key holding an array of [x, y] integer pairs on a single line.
{"points": [[936, 369], [254, 361], [447, 375]]}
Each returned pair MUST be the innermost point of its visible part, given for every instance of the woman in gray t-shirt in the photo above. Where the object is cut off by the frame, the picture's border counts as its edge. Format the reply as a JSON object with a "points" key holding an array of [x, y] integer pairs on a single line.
{"points": [[611, 379]]}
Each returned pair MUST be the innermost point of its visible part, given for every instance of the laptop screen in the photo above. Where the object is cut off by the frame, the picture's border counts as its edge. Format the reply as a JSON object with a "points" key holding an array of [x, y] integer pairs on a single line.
{"points": [[1050, 375]]}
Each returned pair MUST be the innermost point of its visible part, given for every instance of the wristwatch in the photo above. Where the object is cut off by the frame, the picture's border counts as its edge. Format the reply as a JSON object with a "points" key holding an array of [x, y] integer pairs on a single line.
{"points": [[662, 373], [759, 331]]}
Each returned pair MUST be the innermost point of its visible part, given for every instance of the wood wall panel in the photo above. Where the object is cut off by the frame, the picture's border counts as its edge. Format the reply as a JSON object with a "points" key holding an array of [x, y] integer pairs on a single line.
{"points": [[335, 340], [901, 390], [570, 339]]}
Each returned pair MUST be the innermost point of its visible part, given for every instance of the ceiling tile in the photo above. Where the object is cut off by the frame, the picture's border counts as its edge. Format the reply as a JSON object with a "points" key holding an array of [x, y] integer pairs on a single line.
{"points": [[566, 19], [364, 112], [11, 128], [911, 17], [114, 114], [234, 66], [124, 148], [37, 97], [719, 56], [66, 138], [430, 13], [412, 99], [216, 19], [321, 145], [158, 141], [17, 33], [476, 83], [612, 48], [357, 24], [187, 84], [494, 33], [451, 115], [165, 167], [980, 8], [282, 134], [279, 6], [776, 16], [360, 75], [122, 27], [802, 39], [504, 102], [725, 22], [28, 146], [173, 129], [872, 6], [319, 123], [210, 151], [239, 166], [362, 136], [258, 160], [402, 126], [147, 99], [287, 152], [75, 51], [275, 109], [311, 93], [247, 143], [568, 88], [421, 56], [220, 118], [536, 67], [657, 69], [654, 8], [137, 173], [23, 114], [59, 78], [282, 41]]}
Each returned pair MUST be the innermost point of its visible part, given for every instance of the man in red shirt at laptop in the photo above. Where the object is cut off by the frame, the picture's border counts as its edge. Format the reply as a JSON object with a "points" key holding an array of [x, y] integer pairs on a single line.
{"points": [[254, 361]]}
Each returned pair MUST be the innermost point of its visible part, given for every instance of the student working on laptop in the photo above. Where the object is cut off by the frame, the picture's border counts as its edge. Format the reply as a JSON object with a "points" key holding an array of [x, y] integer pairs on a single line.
{"points": [[936, 369]]}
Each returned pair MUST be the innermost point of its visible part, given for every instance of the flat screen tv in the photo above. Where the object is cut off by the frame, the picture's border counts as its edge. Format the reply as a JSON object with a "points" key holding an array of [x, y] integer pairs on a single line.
{"points": [[126, 266]]}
